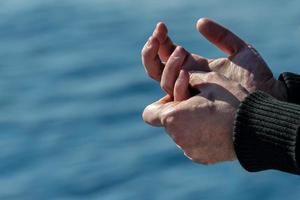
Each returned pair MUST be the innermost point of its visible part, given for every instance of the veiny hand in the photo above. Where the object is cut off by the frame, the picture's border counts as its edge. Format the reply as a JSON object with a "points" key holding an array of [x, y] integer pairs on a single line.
{"points": [[201, 125], [162, 59]]}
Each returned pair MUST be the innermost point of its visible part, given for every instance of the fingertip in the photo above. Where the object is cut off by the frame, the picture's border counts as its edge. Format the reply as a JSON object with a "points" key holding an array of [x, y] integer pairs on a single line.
{"points": [[151, 114], [161, 32], [202, 23], [181, 51], [220, 36], [162, 27], [150, 117], [179, 48]]}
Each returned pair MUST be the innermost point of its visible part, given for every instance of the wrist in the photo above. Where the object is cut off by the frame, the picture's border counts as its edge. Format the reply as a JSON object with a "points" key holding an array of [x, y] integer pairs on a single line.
{"points": [[261, 137]]}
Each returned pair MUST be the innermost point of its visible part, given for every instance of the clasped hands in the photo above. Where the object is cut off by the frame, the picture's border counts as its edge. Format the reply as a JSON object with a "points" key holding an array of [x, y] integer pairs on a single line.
{"points": [[203, 94]]}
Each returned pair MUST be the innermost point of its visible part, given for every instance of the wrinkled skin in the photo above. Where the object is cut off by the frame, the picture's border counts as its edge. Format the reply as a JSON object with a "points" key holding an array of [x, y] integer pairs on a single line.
{"points": [[243, 64], [202, 125]]}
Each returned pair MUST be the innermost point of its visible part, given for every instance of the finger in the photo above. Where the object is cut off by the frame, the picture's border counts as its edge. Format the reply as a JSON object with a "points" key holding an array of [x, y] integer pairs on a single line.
{"points": [[150, 59], [181, 88], [160, 32], [198, 79], [171, 70], [204, 82], [152, 113], [195, 62], [220, 36], [166, 47], [211, 85]]}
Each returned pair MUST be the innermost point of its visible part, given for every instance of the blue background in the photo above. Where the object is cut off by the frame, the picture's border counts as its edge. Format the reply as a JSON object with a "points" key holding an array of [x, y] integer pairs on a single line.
{"points": [[72, 89]]}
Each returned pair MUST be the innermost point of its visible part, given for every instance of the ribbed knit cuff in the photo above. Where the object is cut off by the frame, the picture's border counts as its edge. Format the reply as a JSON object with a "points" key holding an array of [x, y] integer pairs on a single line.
{"points": [[265, 134], [292, 83]]}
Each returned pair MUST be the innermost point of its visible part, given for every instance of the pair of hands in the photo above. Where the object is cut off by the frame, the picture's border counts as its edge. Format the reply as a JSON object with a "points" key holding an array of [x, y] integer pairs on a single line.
{"points": [[203, 94]]}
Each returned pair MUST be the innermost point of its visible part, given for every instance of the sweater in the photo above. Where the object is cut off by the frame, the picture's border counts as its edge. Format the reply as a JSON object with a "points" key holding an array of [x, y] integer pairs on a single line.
{"points": [[266, 131]]}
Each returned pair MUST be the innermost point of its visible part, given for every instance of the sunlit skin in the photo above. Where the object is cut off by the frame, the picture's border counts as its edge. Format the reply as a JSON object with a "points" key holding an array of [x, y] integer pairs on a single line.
{"points": [[202, 125], [243, 64]]}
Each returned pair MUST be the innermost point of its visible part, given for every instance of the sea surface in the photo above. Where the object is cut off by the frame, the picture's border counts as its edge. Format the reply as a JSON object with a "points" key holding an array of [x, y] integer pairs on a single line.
{"points": [[72, 90]]}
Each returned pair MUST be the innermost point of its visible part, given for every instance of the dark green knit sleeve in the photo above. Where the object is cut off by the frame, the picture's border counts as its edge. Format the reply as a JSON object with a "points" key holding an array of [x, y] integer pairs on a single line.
{"points": [[292, 83], [266, 134]]}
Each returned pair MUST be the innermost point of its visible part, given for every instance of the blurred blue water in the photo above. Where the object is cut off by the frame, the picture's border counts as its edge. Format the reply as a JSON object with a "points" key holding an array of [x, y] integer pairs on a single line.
{"points": [[72, 90]]}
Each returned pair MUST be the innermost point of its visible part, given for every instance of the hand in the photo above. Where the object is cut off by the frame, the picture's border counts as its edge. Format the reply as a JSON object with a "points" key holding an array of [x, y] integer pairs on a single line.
{"points": [[201, 125], [243, 64]]}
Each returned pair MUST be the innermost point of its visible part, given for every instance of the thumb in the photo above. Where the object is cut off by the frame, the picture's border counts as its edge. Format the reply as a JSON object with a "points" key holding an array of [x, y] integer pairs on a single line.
{"points": [[201, 81], [153, 113], [221, 37]]}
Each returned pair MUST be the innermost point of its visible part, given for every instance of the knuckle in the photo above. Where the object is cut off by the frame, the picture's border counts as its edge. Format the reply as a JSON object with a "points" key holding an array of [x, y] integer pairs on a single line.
{"points": [[171, 122], [212, 75], [218, 65], [169, 119], [155, 76]]}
